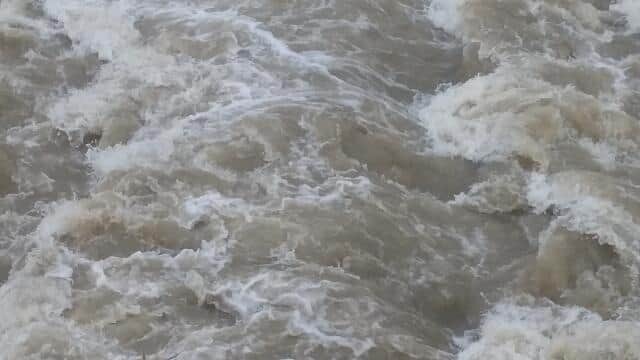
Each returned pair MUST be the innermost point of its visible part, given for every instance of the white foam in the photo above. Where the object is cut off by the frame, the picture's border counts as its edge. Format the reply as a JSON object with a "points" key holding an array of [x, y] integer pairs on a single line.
{"points": [[480, 119], [589, 204], [446, 15], [630, 9], [105, 28], [522, 331], [302, 306], [605, 154], [153, 153]]}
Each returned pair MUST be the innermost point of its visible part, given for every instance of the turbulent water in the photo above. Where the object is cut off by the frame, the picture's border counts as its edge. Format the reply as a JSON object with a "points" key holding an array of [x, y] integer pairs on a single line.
{"points": [[320, 179]]}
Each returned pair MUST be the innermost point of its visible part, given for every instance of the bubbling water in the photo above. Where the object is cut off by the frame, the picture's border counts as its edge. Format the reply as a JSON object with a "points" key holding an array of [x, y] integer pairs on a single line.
{"points": [[555, 105], [319, 179]]}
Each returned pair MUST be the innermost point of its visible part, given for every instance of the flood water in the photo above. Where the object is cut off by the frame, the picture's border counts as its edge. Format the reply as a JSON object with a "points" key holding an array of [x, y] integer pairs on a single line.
{"points": [[320, 179]]}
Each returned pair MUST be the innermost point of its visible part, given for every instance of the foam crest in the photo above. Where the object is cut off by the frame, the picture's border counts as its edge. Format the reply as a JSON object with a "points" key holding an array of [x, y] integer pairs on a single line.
{"points": [[542, 331], [631, 11], [98, 27]]}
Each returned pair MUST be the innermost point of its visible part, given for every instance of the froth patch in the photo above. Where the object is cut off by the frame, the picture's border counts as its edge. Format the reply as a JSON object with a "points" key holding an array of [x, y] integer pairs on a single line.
{"points": [[445, 14], [511, 115], [631, 11], [103, 28], [588, 255], [526, 330]]}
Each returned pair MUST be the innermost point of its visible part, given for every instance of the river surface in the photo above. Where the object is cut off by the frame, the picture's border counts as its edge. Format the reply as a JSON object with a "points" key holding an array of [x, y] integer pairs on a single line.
{"points": [[320, 179]]}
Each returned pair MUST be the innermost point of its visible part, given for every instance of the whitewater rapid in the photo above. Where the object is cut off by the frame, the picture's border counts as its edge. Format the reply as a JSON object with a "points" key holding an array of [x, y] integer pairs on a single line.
{"points": [[319, 179]]}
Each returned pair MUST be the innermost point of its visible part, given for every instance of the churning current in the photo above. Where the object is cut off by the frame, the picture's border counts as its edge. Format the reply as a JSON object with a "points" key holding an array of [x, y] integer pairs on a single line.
{"points": [[320, 179]]}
